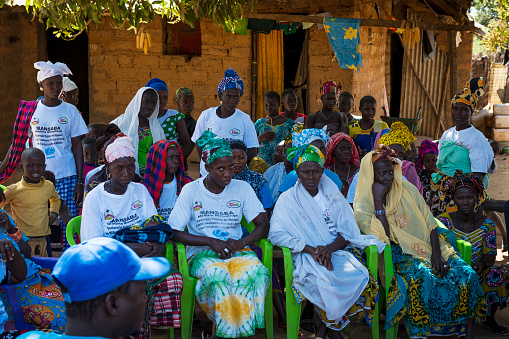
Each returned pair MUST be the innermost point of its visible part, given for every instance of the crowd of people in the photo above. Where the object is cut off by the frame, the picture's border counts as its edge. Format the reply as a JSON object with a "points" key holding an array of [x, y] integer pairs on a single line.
{"points": [[325, 185]]}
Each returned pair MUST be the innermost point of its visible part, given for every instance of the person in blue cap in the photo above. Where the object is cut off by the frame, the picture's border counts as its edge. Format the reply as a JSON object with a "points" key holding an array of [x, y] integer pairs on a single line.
{"points": [[104, 284], [171, 121]]}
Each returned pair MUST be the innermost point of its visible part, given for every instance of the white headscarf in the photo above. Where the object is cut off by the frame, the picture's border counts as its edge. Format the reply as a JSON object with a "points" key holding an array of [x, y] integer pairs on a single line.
{"points": [[68, 85], [129, 122], [47, 69]]}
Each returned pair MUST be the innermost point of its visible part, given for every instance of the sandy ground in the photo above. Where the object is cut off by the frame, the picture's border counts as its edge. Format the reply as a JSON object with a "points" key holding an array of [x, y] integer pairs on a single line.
{"points": [[497, 190]]}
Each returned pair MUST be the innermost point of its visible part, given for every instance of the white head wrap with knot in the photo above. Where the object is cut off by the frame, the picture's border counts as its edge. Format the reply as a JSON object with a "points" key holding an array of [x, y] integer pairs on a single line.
{"points": [[120, 148], [68, 85], [47, 69]]}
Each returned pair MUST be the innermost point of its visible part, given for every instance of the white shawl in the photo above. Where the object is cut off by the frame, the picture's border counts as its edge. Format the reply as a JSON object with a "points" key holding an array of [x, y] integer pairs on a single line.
{"points": [[129, 122], [298, 221]]}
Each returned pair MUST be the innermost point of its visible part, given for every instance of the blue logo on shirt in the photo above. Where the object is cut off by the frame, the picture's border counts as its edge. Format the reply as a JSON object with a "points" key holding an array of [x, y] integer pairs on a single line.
{"points": [[50, 152], [221, 234]]}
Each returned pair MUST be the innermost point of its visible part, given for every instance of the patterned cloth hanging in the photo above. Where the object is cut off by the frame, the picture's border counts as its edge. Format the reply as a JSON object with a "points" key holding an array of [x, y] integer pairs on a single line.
{"points": [[344, 37]]}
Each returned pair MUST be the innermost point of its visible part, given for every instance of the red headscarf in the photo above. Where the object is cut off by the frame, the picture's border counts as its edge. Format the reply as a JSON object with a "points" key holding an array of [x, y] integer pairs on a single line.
{"points": [[425, 148], [333, 142]]}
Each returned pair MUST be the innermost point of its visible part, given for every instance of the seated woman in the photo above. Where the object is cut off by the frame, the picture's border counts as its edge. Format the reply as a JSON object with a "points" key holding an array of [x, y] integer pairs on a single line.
{"points": [[480, 231], [462, 147], [119, 204], [165, 175], [139, 122], [333, 121], [257, 181], [276, 174], [38, 294], [314, 220], [426, 166], [433, 288], [232, 282], [342, 159]]}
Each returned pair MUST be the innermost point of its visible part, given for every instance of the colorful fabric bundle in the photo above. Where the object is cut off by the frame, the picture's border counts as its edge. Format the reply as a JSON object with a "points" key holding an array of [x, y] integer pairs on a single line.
{"points": [[309, 135], [213, 147], [333, 143], [120, 148], [26, 110], [155, 170], [399, 134], [231, 80], [298, 155], [345, 41], [47, 69], [383, 152], [472, 92], [159, 234], [157, 84], [329, 87], [259, 165], [426, 147], [182, 92]]}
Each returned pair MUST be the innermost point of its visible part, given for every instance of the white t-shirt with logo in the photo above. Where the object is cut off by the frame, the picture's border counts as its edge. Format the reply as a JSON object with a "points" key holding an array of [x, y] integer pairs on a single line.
{"points": [[323, 203], [214, 215], [167, 199], [236, 126], [105, 213], [51, 130]]}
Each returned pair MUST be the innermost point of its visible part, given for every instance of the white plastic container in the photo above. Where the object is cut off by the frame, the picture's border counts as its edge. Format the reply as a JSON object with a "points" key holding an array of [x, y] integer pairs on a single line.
{"points": [[501, 134], [501, 109]]}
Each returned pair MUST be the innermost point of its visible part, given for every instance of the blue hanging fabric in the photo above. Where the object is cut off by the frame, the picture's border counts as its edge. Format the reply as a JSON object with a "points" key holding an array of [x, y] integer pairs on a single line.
{"points": [[344, 37]]}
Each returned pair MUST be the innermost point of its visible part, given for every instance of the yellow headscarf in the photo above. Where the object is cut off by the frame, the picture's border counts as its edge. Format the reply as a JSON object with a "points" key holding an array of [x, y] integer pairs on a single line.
{"points": [[410, 220], [399, 134]]}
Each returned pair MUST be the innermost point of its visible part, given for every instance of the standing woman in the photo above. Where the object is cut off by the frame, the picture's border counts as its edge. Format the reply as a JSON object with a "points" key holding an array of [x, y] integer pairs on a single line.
{"points": [[170, 120], [462, 147], [56, 128], [226, 121], [342, 159], [335, 121], [139, 122], [232, 282]]}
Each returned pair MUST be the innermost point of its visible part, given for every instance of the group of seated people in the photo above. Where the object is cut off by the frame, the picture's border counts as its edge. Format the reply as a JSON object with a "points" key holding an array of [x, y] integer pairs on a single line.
{"points": [[326, 196]]}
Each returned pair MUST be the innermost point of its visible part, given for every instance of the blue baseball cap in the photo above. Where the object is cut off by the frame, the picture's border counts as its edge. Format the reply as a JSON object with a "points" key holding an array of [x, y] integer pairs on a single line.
{"points": [[100, 265]]}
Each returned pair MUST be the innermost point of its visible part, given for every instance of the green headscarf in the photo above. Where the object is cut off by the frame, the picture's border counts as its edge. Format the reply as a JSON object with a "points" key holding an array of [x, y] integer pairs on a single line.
{"points": [[298, 155], [213, 147]]}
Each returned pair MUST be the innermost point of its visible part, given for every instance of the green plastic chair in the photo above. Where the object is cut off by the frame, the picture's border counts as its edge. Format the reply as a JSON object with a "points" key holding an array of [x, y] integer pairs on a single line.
{"points": [[293, 309], [188, 297], [73, 227], [464, 249]]}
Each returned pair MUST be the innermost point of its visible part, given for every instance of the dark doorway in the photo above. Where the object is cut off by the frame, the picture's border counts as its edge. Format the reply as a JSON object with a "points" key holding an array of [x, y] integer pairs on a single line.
{"points": [[74, 54], [292, 49], [397, 54]]}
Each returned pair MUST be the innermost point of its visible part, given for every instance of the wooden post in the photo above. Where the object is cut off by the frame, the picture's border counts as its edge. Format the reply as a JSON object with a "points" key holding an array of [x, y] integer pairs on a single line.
{"points": [[451, 37], [441, 107], [437, 114]]}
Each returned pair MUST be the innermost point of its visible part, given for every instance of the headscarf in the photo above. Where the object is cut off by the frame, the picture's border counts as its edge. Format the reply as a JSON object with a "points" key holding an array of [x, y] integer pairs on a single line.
{"points": [[333, 142], [129, 122], [328, 87], [47, 69], [259, 165], [383, 152], [471, 93], [425, 148], [410, 219], [469, 180], [182, 92], [68, 85], [213, 147], [298, 155], [157, 84], [155, 170], [309, 135], [399, 134], [231, 80], [120, 148]]}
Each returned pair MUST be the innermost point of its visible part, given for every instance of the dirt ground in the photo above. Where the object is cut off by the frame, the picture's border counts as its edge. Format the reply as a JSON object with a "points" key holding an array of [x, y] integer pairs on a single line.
{"points": [[497, 190]]}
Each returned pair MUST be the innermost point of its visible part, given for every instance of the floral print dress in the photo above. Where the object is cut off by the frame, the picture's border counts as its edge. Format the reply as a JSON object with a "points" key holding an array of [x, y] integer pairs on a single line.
{"points": [[267, 148]]}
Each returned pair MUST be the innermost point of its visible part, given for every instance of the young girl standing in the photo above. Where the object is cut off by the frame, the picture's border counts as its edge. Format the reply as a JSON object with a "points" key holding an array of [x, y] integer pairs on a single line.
{"points": [[272, 129], [335, 121]]}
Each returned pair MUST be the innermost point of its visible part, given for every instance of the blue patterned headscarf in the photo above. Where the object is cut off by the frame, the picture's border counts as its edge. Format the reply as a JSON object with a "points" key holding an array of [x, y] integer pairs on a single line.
{"points": [[231, 80], [157, 84], [309, 135]]}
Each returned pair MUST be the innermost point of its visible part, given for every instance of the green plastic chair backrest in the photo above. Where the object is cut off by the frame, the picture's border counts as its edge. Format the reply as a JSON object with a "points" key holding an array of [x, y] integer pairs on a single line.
{"points": [[73, 227]]}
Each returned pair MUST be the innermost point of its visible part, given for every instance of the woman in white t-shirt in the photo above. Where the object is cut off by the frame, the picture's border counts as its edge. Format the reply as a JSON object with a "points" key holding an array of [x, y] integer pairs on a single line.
{"points": [[232, 282], [226, 121], [165, 175]]}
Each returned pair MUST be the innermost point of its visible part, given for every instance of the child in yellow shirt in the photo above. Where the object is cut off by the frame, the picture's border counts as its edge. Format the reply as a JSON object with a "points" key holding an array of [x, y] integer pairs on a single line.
{"points": [[29, 201]]}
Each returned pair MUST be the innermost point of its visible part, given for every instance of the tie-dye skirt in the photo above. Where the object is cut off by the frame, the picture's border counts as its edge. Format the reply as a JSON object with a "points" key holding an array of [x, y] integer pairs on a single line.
{"points": [[232, 291]]}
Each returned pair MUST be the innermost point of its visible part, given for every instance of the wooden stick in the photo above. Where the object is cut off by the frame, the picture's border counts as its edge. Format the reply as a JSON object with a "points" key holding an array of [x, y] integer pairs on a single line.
{"points": [[365, 22], [442, 97], [420, 83]]}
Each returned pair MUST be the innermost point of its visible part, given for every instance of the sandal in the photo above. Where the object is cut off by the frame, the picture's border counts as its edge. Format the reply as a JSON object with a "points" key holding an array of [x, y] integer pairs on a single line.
{"points": [[497, 328], [308, 325]]}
